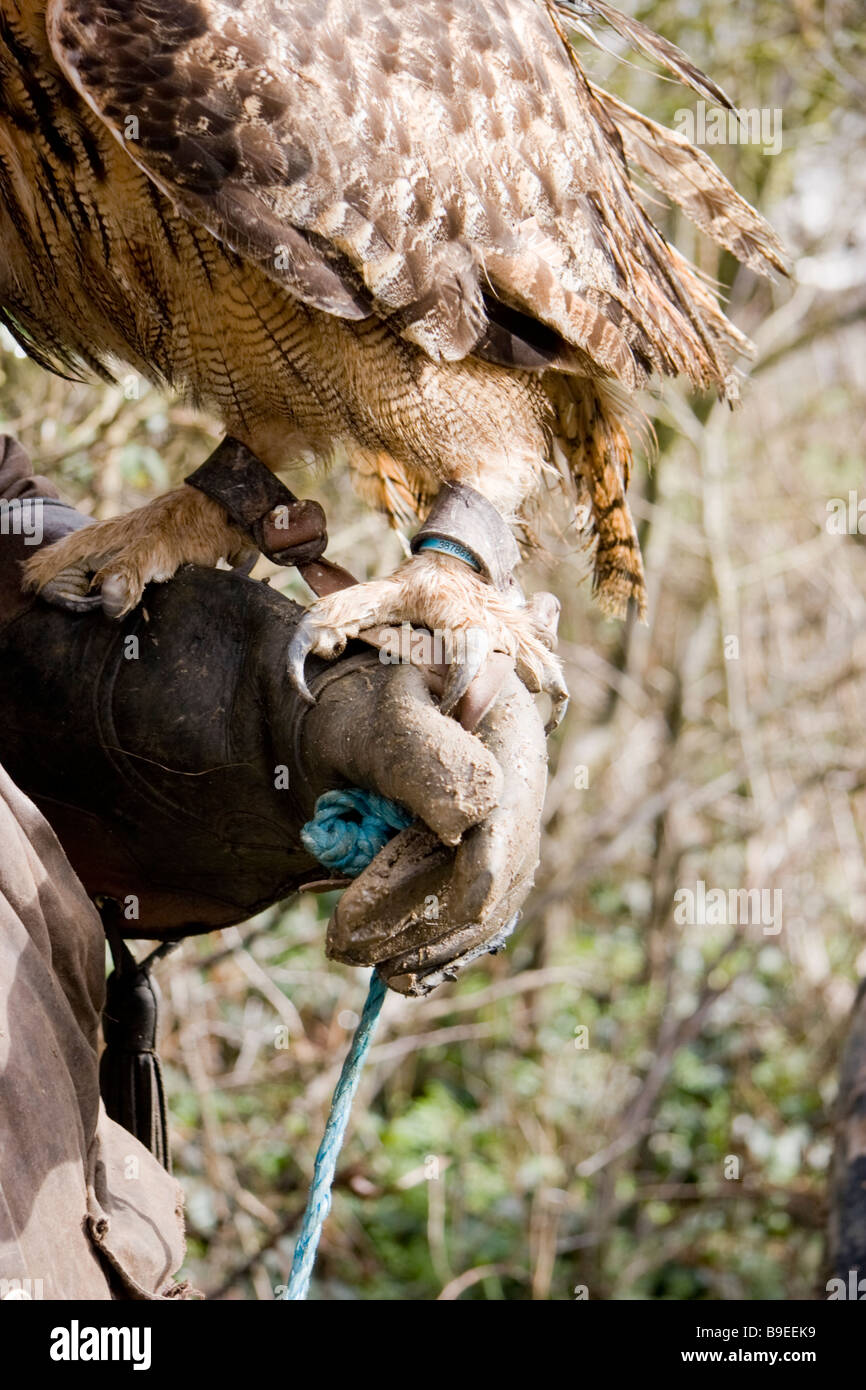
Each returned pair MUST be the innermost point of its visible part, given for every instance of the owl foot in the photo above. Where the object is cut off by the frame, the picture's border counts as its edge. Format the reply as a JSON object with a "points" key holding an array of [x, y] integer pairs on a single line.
{"points": [[109, 563], [460, 623]]}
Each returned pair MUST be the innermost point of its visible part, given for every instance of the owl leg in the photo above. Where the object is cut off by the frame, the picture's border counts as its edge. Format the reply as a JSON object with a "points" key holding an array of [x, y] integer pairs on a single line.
{"points": [[232, 506], [108, 563], [459, 590]]}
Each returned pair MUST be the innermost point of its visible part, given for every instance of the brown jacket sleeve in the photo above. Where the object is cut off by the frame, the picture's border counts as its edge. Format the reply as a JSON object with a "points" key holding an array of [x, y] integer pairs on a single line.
{"points": [[85, 1211], [31, 514], [17, 478]]}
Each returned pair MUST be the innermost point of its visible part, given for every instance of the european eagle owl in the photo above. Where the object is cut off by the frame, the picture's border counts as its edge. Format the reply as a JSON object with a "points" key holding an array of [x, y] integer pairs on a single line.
{"points": [[403, 231]]}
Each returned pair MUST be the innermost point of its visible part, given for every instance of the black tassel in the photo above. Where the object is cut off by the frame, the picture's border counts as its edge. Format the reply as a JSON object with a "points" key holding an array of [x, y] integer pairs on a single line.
{"points": [[130, 1075], [848, 1181]]}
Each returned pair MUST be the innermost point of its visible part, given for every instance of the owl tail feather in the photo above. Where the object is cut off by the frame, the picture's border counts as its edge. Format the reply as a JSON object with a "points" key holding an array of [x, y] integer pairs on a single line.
{"points": [[593, 435], [689, 178]]}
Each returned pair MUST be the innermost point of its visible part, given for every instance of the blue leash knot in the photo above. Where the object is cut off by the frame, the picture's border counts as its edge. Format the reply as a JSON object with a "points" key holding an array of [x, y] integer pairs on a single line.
{"points": [[350, 827], [347, 831]]}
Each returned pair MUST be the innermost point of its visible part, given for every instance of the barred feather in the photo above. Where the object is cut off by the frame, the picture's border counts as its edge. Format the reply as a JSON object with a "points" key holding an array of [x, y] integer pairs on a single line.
{"points": [[690, 178], [577, 12], [598, 451], [407, 230]]}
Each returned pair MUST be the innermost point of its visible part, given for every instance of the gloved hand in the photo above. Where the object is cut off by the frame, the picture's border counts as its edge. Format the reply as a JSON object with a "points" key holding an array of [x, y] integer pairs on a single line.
{"points": [[178, 765], [447, 889]]}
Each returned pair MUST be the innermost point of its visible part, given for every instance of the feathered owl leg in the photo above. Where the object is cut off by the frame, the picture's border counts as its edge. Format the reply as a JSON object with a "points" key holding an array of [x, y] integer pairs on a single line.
{"points": [[459, 589], [232, 508], [109, 563]]}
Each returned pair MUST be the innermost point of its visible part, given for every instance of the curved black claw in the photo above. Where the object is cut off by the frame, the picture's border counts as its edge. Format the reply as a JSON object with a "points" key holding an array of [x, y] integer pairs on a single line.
{"points": [[246, 562], [546, 676], [560, 697], [462, 672], [70, 589], [299, 649]]}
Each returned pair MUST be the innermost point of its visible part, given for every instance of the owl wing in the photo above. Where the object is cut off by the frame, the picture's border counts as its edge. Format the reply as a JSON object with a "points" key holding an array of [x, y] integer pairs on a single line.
{"points": [[444, 166]]}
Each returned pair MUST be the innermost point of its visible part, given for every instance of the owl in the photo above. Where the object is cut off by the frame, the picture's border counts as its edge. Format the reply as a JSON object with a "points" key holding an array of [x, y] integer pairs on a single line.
{"points": [[400, 234]]}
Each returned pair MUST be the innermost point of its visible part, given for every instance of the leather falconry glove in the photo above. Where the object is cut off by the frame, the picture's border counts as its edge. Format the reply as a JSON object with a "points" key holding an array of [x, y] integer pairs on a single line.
{"points": [[177, 765]]}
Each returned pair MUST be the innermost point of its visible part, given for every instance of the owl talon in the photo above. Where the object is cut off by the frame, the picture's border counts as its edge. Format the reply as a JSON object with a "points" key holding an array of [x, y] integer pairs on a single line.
{"points": [[560, 698], [71, 590], [75, 605], [461, 673], [296, 657]]}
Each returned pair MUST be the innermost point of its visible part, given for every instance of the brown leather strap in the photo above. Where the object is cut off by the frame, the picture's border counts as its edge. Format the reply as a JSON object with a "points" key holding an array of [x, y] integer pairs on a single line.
{"points": [[286, 529]]}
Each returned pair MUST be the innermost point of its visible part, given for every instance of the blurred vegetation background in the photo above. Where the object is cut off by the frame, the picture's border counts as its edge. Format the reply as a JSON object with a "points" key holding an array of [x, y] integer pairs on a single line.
{"points": [[561, 1122]]}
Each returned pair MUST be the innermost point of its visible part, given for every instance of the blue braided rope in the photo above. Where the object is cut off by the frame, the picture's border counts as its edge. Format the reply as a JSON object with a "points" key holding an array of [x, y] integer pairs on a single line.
{"points": [[347, 845], [319, 1199]]}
